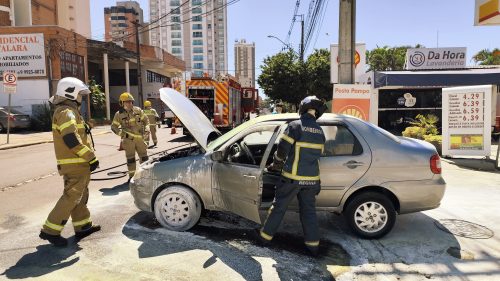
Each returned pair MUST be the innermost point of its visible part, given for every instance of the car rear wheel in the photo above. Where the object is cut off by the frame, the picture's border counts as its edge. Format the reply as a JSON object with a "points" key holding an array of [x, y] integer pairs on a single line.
{"points": [[177, 208], [371, 215]]}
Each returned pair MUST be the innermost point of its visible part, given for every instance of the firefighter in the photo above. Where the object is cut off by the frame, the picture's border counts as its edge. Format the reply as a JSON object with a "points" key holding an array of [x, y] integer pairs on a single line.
{"points": [[75, 160], [297, 159], [131, 124], [154, 120]]}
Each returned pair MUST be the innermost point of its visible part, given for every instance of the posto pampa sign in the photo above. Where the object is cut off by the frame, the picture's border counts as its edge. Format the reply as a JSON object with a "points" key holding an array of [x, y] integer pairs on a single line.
{"points": [[23, 54], [436, 58]]}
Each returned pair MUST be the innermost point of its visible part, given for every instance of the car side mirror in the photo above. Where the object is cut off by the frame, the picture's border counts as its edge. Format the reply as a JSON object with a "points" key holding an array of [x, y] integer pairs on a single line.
{"points": [[217, 156]]}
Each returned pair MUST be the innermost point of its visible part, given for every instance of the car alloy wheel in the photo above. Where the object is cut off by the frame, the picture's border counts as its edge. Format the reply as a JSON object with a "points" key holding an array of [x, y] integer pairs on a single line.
{"points": [[177, 208], [371, 214]]}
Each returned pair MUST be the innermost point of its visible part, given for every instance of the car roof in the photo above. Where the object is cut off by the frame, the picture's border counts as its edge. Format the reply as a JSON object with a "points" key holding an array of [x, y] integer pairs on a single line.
{"points": [[292, 116]]}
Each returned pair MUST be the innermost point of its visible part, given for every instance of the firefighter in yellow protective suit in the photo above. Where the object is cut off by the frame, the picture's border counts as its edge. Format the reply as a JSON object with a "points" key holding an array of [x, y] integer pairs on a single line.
{"points": [[75, 160], [131, 124], [153, 121]]}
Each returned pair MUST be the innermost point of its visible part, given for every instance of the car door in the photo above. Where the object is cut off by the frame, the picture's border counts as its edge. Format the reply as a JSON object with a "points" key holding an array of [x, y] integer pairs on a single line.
{"points": [[237, 185], [345, 159]]}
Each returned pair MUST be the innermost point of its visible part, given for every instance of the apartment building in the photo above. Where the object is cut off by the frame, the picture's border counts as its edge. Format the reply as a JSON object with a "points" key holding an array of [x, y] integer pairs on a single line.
{"points": [[119, 22], [192, 30], [244, 60]]}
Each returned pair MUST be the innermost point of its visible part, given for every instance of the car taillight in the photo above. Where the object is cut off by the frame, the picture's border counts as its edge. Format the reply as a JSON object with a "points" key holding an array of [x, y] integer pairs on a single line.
{"points": [[435, 164], [12, 118]]}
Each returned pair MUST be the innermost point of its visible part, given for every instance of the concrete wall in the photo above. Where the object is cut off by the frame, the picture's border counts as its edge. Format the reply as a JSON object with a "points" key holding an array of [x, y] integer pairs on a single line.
{"points": [[29, 92], [44, 12]]}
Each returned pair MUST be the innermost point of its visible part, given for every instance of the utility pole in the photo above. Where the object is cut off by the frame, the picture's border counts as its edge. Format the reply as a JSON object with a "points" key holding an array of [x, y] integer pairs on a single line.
{"points": [[347, 41], [302, 38], [138, 54]]}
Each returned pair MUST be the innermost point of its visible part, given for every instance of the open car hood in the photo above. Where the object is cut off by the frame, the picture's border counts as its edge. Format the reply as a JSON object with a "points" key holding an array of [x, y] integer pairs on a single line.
{"points": [[191, 116]]}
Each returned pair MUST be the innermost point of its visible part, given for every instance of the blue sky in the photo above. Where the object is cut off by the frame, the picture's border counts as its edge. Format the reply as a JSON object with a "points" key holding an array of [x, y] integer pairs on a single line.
{"points": [[379, 22]]}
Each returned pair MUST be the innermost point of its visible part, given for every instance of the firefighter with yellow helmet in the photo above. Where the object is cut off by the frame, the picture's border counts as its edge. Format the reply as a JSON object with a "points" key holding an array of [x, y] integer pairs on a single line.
{"points": [[131, 124], [153, 121], [75, 160]]}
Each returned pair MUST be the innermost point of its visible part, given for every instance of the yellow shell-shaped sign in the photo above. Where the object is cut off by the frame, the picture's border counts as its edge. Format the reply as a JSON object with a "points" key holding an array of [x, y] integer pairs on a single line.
{"points": [[353, 111]]}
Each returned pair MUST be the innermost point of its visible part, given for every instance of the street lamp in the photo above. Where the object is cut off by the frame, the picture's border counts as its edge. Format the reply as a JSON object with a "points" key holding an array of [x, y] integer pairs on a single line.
{"points": [[285, 44]]}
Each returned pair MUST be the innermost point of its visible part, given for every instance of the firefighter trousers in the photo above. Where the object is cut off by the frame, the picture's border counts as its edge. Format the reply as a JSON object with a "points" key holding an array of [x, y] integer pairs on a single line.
{"points": [[152, 134], [131, 146], [286, 190], [73, 202]]}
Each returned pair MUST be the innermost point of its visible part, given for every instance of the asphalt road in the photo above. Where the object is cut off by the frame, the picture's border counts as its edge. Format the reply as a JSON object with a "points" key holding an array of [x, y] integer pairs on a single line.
{"points": [[132, 245]]}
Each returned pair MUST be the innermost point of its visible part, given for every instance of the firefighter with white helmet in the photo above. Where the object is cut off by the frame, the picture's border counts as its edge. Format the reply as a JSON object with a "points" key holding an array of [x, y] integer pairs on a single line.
{"points": [[297, 159], [75, 161], [131, 124], [153, 121]]}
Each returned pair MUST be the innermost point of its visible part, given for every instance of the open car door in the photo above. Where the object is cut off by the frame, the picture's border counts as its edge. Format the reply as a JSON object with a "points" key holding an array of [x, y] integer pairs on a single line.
{"points": [[238, 178]]}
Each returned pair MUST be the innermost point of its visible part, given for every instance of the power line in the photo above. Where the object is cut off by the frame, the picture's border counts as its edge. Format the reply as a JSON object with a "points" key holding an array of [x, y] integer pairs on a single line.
{"points": [[297, 4]]}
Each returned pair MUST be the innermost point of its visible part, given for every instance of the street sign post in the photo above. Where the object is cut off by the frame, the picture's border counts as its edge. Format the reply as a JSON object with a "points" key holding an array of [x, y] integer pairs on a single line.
{"points": [[9, 87]]}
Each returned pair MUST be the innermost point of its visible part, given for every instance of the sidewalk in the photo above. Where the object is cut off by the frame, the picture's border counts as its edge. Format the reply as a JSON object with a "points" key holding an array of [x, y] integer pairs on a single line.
{"points": [[26, 138], [476, 163]]}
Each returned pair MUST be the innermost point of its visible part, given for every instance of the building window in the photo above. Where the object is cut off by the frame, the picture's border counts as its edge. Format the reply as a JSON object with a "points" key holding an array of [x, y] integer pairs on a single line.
{"points": [[153, 77], [175, 35], [196, 10], [198, 57], [197, 26], [176, 50], [197, 34], [176, 27], [198, 73], [175, 11], [176, 43], [198, 65], [72, 65], [198, 42], [196, 2], [198, 50], [196, 18], [175, 2], [176, 19], [122, 25], [209, 26]]}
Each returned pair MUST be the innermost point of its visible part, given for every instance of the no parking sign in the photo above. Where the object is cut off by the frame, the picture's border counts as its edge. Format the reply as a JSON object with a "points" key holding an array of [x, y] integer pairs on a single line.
{"points": [[9, 82]]}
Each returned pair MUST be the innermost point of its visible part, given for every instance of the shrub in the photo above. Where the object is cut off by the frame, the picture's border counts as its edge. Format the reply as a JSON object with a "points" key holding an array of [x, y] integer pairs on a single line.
{"points": [[437, 141], [41, 120], [428, 123], [414, 132]]}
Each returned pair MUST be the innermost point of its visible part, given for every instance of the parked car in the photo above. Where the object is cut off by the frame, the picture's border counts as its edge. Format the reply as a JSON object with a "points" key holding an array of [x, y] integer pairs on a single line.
{"points": [[367, 174], [18, 120]]}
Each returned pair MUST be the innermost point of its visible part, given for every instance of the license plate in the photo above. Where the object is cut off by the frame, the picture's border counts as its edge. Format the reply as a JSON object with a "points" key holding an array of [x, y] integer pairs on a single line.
{"points": [[24, 119]]}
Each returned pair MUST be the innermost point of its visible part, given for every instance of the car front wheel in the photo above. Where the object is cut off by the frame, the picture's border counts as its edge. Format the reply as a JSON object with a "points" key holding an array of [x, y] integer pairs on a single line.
{"points": [[370, 215], [177, 208]]}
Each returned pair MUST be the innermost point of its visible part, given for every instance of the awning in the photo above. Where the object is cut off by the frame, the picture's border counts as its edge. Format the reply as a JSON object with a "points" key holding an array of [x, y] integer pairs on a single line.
{"points": [[442, 78]]}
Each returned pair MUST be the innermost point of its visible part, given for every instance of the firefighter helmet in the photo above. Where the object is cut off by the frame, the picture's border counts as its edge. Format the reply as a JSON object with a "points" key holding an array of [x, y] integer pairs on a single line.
{"points": [[126, 97], [147, 104], [71, 88], [312, 102]]}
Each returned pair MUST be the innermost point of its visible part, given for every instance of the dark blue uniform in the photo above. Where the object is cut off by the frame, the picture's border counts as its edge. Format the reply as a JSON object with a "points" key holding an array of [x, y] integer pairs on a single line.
{"points": [[299, 152]]}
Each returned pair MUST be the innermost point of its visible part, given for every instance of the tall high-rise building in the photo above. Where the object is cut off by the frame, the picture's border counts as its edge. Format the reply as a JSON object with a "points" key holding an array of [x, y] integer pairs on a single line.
{"points": [[194, 31], [73, 15], [119, 22], [244, 60]]}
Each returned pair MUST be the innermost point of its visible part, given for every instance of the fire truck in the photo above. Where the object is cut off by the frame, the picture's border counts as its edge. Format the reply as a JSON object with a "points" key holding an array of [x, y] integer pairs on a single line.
{"points": [[249, 100], [219, 100]]}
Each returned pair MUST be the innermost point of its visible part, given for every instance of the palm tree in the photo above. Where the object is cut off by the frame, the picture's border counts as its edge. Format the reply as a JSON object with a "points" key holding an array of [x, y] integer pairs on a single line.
{"points": [[487, 57]]}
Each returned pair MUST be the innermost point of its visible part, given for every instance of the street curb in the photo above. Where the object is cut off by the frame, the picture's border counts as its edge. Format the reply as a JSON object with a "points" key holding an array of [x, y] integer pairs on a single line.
{"points": [[475, 164], [41, 142]]}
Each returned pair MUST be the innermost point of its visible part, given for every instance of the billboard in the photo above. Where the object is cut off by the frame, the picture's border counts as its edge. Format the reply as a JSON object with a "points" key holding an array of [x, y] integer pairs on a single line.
{"points": [[435, 58], [23, 54], [467, 120], [487, 12], [359, 62], [352, 99]]}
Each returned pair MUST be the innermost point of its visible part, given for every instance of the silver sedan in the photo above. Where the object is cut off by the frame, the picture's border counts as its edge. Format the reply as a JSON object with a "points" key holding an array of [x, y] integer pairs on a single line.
{"points": [[367, 174]]}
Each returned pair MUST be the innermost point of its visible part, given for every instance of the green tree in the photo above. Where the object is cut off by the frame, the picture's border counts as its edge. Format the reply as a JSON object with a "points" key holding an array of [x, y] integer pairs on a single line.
{"points": [[387, 58], [318, 70], [283, 77], [487, 57], [97, 100]]}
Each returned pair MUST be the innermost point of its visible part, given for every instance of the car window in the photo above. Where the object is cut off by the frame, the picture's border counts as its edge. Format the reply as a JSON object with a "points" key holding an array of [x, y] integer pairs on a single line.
{"points": [[262, 137], [340, 142], [250, 149]]}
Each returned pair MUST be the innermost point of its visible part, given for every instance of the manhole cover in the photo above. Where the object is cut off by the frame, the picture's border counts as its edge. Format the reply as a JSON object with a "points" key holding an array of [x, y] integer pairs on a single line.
{"points": [[464, 229]]}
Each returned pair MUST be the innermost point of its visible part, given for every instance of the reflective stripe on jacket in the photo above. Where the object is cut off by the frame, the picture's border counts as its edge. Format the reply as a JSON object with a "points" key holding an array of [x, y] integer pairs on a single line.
{"points": [[133, 122], [300, 149], [152, 116], [72, 145]]}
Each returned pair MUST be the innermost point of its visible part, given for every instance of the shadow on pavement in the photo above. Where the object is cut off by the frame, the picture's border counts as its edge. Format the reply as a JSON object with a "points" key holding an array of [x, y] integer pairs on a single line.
{"points": [[45, 260], [182, 139], [235, 247], [115, 190]]}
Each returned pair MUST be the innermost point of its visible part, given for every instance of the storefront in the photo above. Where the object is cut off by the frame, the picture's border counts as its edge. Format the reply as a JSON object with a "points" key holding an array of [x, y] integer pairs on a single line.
{"points": [[399, 96]]}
